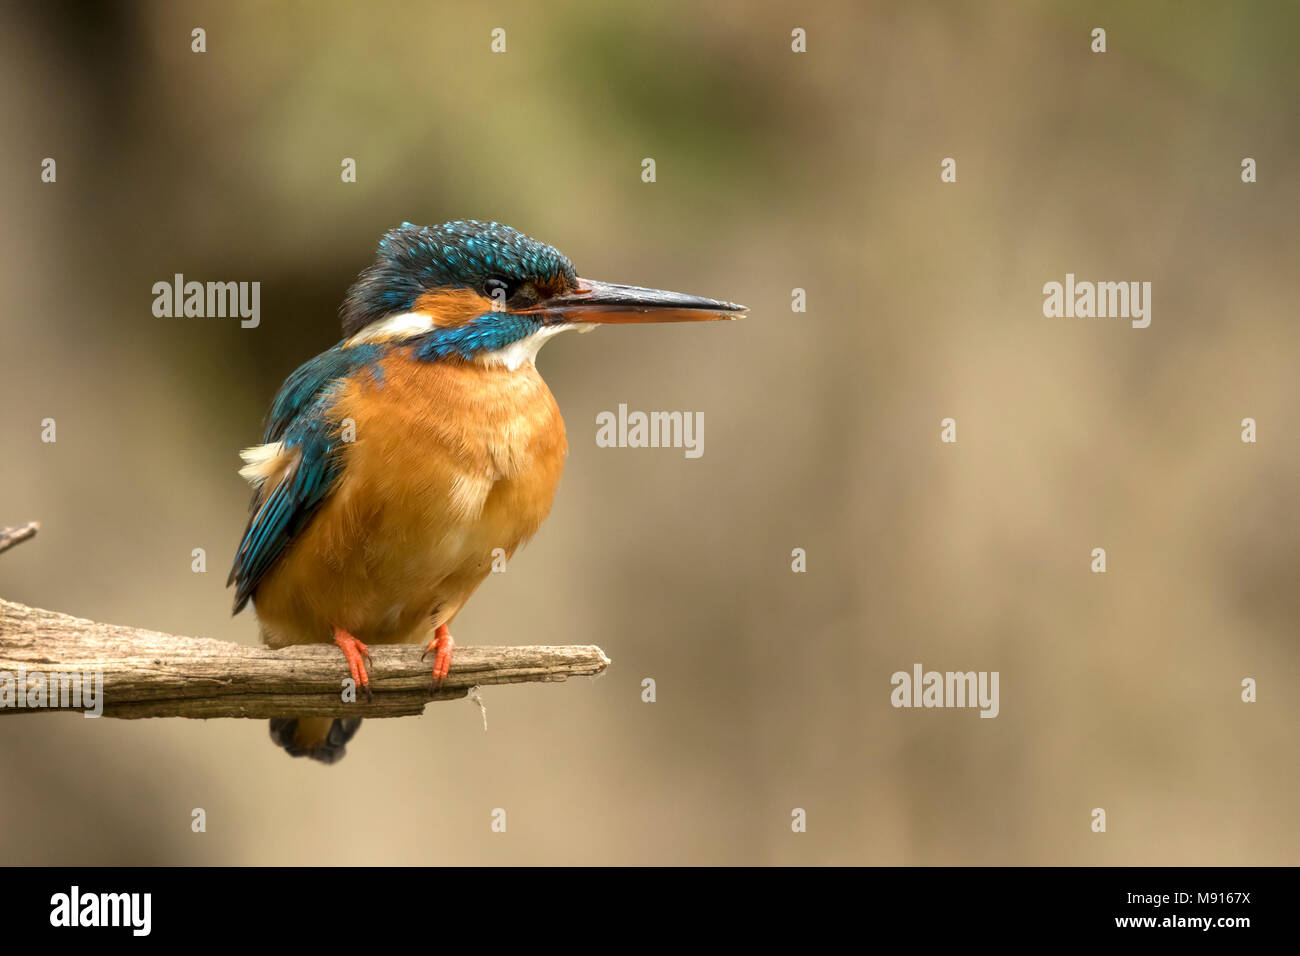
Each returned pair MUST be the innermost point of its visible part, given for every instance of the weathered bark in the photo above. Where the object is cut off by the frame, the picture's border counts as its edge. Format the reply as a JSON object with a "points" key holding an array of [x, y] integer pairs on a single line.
{"points": [[150, 674]]}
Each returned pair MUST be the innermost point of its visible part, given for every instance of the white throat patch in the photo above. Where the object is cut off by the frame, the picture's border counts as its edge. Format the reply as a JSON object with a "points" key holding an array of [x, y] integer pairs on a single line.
{"points": [[524, 351]]}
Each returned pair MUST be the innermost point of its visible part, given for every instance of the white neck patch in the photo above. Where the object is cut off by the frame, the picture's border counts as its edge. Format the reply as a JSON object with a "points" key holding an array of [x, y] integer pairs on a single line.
{"points": [[404, 326], [408, 325]]}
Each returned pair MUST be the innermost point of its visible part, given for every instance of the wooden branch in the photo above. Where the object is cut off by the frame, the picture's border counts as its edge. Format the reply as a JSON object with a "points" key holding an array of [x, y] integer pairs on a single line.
{"points": [[12, 536], [150, 674]]}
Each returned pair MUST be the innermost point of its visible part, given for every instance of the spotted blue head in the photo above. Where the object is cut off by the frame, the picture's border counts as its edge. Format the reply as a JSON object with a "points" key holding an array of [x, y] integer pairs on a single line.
{"points": [[469, 290]]}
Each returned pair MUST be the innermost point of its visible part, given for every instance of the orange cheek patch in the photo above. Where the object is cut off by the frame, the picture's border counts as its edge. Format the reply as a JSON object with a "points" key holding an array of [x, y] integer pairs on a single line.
{"points": [[452, 307]]}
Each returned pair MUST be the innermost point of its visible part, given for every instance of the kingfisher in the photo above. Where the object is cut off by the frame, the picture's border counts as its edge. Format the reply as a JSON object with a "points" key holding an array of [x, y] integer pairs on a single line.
{"points": [[394, 464]]}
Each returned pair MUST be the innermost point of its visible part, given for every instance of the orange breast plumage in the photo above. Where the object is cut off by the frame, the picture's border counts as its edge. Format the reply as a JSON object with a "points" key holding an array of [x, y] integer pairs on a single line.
{"points": [[447, 462]]}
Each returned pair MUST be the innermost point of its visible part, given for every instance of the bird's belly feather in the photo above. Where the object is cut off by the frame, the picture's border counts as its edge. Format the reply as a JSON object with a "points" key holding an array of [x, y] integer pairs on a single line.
{"points": [[451, 461]]}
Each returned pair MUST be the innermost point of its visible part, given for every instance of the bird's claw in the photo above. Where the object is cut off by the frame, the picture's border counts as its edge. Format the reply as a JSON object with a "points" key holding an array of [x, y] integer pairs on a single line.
{"points": [[358, 657], [441, 647]]}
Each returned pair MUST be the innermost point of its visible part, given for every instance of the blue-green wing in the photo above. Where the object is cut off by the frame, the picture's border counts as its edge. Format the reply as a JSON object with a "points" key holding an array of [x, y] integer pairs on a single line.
{"points": [[299, 418]]}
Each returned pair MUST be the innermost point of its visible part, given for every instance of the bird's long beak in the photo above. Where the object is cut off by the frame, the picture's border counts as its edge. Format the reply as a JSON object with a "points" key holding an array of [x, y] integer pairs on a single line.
{"points": [[605, 302]]}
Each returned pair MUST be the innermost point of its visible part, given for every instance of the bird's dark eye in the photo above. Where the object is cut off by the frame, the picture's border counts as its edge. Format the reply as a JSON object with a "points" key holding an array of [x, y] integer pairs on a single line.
{"points": [[496, 289]]}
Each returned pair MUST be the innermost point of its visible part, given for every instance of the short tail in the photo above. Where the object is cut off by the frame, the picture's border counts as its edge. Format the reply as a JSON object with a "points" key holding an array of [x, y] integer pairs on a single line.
{"points": [[320, 738]]}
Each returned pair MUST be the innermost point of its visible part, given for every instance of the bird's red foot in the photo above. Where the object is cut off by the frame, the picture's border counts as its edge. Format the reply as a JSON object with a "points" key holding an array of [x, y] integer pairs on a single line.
{"points": [[440, 647], [354, 651]]}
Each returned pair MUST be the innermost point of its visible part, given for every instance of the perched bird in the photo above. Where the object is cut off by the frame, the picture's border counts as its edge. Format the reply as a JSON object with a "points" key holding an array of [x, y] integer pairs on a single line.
{"points": [[394, 463]]}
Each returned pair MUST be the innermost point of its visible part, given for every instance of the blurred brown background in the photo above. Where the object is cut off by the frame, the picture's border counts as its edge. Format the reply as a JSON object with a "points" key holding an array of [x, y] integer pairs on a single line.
{"points": [[775, 171]]}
